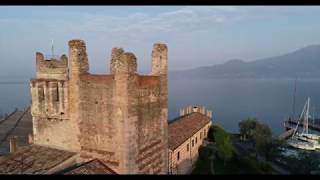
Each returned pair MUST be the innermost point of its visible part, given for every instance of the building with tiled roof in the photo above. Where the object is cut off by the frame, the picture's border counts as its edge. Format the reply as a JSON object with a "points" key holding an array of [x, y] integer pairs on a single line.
{"points": [[92, 167], [34, 159], [186, 134]]}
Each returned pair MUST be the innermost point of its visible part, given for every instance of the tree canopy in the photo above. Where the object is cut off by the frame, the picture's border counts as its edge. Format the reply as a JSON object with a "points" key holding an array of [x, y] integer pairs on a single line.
{"points": [[260, 133], [247, 127], [223, 143], [263, 139]]}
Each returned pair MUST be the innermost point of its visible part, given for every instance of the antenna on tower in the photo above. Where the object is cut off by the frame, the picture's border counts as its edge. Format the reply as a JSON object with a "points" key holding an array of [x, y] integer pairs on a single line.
{"points": [[52, 50]]}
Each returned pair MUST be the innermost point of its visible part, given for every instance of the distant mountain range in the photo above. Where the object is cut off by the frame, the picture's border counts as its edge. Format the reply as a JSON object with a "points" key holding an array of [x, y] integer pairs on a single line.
{"points": [[302, 63]]}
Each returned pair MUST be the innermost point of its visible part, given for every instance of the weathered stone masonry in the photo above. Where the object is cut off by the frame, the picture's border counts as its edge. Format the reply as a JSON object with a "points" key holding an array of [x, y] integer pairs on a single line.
{"points": [[120, 118]]}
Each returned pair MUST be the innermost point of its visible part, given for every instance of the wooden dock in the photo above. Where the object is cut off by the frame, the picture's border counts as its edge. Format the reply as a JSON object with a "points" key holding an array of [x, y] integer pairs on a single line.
{"points": [[286, 134], [290, 126], [312, 126]]}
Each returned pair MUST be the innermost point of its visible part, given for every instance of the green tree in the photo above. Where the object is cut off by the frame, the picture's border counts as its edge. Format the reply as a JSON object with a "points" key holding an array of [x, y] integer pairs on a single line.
{"points": [[272, 148], [263, 139], [309, 162], [261, 135], [204, 163], [247, 127], [211, 134], [223, 143]]}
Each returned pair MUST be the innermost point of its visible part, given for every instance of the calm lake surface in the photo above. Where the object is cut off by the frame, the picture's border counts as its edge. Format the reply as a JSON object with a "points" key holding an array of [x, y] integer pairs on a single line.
{"points": [[231, 100]]}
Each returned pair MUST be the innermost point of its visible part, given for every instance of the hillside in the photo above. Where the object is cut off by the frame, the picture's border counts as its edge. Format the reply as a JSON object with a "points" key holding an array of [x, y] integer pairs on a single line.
{"points": [[302, 63]]}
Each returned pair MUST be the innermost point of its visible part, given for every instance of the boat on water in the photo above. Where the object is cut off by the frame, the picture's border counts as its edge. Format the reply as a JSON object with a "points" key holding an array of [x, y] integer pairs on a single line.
{"points": [[310, 136], [313, 138], [304, 140], [297, 143]]}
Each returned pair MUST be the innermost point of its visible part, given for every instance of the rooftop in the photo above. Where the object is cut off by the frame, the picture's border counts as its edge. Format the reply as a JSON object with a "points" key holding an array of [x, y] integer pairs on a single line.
{"points": [[92, 167], [33, 159], [184, 127]]}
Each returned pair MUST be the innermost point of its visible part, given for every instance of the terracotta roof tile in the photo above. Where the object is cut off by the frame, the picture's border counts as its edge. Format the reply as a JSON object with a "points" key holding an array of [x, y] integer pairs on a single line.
{"points": [[33, 159], [184, 127], [92, 167]]}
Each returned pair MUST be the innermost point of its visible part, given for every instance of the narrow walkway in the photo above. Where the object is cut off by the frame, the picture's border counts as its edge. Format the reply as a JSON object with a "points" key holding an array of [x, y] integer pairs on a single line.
{"points": [[8, 117], [18, 124]]}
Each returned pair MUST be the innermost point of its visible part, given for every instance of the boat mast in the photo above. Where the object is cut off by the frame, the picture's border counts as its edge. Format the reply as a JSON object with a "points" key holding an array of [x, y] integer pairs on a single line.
{"points": [[52, 50], [307, 115], [302, 117], [294, 99]]}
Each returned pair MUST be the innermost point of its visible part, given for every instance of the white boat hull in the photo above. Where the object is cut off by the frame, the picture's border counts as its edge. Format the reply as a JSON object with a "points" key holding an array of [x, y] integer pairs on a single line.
{"points": [[302, 145]]}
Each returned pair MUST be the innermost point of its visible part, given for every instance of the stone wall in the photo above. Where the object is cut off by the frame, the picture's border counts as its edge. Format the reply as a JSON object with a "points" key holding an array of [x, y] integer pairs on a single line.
{"points": [[120, 118], [51, 68], [150, 141], [50, 113], [99, 130]]}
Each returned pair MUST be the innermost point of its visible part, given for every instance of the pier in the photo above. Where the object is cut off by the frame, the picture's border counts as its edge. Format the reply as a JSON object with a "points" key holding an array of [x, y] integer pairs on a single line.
{"points": [[17, 124], [312, 126], [286, 134]]}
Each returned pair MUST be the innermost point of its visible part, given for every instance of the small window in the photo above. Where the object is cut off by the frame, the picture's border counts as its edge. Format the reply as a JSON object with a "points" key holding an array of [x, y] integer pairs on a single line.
{"points": [[192, 142], [57, 94], [188, 147], [196, 140], [178, 155], [200, 135], [41, 93]]}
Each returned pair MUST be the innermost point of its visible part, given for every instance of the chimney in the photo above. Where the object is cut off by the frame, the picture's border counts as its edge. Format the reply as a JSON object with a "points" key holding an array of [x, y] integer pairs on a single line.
{"points": [[13, 143], [30, 138], [195, 109]]}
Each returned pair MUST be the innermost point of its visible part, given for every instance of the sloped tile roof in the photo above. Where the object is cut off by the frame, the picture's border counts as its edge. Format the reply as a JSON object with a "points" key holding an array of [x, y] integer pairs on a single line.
{"points": [[92, 167], [184, 127], [33, 159]]}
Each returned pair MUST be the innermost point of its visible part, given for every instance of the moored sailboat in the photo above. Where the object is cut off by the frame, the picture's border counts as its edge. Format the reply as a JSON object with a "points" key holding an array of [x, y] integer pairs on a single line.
{"points": [[304, 140]]}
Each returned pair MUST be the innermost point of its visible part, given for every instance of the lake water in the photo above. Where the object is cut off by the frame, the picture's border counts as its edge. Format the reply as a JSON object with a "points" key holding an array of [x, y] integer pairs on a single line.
{"points": [[14, 95], [233, 100], [230, 99]]}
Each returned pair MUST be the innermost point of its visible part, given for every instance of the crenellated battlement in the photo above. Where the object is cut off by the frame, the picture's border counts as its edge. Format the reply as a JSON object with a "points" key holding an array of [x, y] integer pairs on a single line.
{"points": [[191, 109], [159, 59], [51, 68], [123, 62]]}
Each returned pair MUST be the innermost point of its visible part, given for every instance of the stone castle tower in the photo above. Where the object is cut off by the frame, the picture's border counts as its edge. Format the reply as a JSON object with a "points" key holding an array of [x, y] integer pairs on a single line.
{"points": [[120, 118]]}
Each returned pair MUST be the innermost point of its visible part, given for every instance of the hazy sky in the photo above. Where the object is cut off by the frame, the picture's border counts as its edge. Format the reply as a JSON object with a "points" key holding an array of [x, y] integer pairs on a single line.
{"points": [[196, 36]]}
